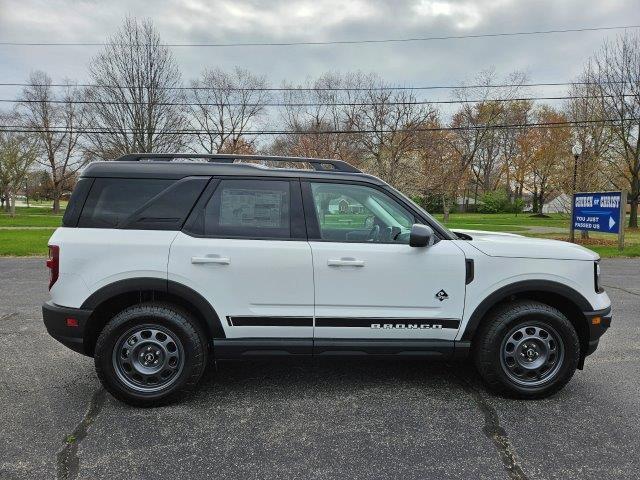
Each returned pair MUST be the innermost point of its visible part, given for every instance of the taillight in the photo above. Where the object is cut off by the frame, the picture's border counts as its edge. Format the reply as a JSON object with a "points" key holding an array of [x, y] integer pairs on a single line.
{"points": [[53, 264]]}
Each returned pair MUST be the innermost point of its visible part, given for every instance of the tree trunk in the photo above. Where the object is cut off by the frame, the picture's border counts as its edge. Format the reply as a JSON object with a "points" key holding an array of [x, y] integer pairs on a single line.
{"points": [[56, 200], [633, 217], [12, 212], [445, 208]]}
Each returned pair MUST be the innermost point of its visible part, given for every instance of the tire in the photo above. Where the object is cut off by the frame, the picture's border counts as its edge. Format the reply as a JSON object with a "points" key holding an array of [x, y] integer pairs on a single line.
{"points": [[149, 354], [526, 349]]}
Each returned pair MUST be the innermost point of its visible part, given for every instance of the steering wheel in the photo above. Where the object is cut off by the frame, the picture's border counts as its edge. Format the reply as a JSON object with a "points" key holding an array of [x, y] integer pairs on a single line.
{"points": [[374, 233]]}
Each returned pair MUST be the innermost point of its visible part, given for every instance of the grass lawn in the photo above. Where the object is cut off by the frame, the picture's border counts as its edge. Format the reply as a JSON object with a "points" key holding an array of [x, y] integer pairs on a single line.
{"points": [[604, 244], [22, 242], [27, 233], [479, 221]]}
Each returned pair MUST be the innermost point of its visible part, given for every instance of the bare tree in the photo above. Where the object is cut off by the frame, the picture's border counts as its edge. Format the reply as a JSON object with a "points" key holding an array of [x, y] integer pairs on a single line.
{"points": [[136, 106], [226, 105], [475, 122], [514, 151], [315, 117], [549, 146], [56, 120], [438, 172], [18, 153], [385, 122], [616, 73]]}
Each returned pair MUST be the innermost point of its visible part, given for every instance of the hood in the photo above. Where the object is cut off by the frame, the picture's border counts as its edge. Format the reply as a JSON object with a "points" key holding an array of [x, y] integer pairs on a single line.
{"points": [[498, 244]]}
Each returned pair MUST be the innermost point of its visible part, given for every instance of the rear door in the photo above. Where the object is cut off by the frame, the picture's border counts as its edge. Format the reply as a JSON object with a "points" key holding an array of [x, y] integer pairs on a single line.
{"points": [[369, 283], [244, 249]]}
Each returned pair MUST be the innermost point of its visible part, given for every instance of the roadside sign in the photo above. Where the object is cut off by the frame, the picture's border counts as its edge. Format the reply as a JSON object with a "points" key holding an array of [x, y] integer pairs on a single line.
{"points": [[602, 212]]}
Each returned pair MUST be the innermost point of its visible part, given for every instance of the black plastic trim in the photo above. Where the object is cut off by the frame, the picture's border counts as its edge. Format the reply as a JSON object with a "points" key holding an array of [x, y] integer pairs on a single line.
{"points": [[233, 348], [133, 285], [318, 164], [54, 318], [522, 287], [356, 347], [469, 271], [596, 331]]}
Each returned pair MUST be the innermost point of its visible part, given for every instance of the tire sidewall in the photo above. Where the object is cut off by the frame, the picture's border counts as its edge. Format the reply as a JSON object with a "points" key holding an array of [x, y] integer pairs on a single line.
{"points": [[169, 319], [538, 317]]}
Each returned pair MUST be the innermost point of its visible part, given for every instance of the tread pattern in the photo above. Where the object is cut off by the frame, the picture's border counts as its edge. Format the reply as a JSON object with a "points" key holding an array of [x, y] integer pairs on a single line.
{"points": [[489, 338], [171, 316]]}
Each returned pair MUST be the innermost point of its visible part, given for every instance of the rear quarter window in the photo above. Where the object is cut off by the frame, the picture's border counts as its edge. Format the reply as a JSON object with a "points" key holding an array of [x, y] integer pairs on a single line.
{"points": [[112, 200]]}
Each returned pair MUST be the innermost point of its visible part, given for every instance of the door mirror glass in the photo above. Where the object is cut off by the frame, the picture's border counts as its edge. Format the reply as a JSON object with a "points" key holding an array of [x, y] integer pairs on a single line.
{"points": [[421, 236]]}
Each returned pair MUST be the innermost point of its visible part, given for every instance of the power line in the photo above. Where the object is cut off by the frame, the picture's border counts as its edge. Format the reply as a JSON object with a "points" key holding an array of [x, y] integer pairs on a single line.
{"points": [[104, 130], [329, 42], [339, 104], [312, 89]]}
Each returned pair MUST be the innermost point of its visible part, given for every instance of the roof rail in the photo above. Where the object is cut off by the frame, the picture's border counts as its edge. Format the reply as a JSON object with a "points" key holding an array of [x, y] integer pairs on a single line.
{"points": [[317, 164]]}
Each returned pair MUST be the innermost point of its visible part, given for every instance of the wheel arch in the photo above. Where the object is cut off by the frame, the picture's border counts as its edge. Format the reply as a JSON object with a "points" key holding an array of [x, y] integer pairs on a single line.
{"points": [[566, 299], [110, 299]]}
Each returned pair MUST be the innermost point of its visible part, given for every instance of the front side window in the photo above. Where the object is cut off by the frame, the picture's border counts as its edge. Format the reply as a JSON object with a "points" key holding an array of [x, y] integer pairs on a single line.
{"points": [[249, 208], [357, 213]]}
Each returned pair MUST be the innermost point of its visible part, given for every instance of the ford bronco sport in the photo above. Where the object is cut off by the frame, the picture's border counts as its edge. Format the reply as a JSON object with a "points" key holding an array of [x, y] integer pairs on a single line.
{"points": [[164, 263]]}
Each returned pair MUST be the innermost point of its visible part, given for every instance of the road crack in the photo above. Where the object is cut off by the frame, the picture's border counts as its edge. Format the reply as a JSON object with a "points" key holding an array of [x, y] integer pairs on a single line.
{"points": [[623, 290], [68, 463], [498, 435]]}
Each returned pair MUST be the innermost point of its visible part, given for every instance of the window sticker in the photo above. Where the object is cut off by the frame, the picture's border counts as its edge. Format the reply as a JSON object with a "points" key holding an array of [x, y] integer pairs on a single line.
{"points": [[252, 208]]}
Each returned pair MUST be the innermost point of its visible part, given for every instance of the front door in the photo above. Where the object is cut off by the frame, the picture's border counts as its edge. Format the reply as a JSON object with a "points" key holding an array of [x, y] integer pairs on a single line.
{"points": [[248, 255], [369, 283]]}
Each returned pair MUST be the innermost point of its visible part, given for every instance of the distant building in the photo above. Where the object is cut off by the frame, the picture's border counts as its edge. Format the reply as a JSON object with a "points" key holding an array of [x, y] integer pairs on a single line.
{"points": [[345, 205], [559, 204]]}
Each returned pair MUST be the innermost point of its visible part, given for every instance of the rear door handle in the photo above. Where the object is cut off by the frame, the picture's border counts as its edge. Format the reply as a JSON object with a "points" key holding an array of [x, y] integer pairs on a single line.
{"points": [[211, 259], [345, 262]]}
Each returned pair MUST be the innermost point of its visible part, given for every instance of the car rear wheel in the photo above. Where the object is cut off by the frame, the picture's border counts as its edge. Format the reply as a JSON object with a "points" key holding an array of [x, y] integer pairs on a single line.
{"points": [[150, 353], [527, 349]]}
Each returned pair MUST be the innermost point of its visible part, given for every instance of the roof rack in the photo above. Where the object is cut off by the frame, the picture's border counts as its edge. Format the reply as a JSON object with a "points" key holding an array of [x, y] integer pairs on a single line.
{"points": [[318, 164]]}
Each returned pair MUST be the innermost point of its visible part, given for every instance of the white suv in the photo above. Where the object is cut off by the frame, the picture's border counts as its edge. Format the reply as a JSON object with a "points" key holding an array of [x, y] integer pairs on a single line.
{"points": [[163, 264]]}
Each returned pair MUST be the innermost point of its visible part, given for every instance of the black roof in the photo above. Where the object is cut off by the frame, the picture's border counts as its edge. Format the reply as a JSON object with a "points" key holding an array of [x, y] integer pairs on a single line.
{"points": [[166, 166]]}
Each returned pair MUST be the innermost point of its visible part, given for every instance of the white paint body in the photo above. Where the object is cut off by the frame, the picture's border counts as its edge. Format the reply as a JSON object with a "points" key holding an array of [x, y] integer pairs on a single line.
{"points": [[241, 277]]}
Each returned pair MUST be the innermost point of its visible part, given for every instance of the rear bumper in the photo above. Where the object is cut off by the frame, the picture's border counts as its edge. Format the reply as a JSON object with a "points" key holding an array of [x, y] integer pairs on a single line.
{"points": [[597, 327], [55, 320]]}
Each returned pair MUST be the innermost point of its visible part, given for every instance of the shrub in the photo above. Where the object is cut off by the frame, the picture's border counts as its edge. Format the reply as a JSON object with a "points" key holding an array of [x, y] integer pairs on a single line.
{"points": [[497, 201]]}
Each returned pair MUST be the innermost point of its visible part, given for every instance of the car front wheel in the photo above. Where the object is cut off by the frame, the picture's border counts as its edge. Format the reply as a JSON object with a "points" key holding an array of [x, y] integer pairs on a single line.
{"points": [[527, 349], [149, 353]]}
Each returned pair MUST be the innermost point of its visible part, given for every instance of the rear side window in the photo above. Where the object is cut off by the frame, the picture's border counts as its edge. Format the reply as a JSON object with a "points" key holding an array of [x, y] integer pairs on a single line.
{"points": [[79, 195], [112, 200], [250, 209]]}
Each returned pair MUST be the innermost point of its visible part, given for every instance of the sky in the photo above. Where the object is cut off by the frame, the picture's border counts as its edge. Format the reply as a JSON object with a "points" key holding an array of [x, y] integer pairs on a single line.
{"points": [[545, 58]]}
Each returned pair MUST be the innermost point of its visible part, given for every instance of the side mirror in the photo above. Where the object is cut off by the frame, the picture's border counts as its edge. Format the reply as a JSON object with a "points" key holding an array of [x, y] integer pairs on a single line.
{"points": [[421, 236]]}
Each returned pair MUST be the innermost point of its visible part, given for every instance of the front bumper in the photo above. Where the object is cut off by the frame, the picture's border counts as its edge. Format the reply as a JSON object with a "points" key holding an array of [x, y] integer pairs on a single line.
{"points": [[55, 320], [599, 322]]}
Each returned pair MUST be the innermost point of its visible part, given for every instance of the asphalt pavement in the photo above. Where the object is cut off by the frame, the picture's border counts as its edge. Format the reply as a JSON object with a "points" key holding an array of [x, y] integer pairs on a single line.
{"points": [[315, 419]]}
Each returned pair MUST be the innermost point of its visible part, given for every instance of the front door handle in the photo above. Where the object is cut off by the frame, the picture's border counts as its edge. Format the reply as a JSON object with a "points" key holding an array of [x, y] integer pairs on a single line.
{"points": [[345, 262], [211, 259]]}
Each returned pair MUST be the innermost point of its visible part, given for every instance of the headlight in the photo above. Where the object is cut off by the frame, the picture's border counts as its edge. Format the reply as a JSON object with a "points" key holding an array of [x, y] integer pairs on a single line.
{"points": [[596, 276]]}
